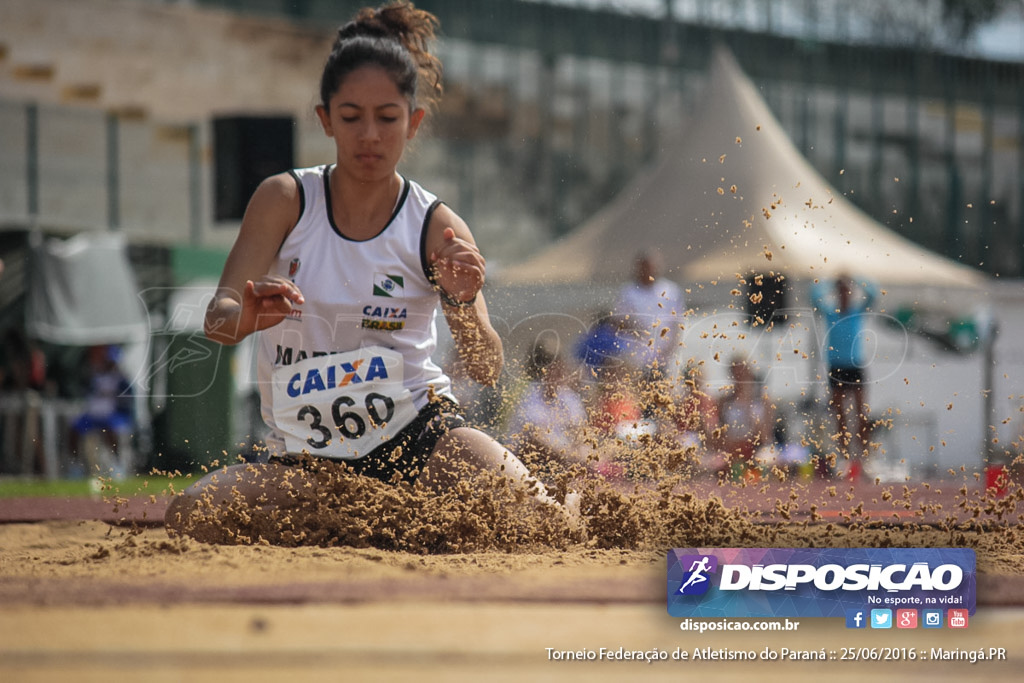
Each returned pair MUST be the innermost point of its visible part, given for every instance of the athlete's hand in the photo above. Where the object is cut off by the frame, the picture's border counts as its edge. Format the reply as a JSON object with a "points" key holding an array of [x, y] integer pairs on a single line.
{"points": [[459, 267], [269, 300]]}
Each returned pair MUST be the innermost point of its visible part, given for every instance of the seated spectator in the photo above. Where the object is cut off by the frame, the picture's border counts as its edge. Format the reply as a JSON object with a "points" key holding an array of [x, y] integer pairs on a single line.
{"points": [[617, 421], [23, 382], [108, 401], [747, 417], [784, 458], [616, 410], [600, 347], [696, 421], [548, 422]]}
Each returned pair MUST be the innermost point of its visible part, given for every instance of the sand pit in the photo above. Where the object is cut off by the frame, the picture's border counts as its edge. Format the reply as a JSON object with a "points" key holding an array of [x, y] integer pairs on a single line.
{"points": [[90, 594]]}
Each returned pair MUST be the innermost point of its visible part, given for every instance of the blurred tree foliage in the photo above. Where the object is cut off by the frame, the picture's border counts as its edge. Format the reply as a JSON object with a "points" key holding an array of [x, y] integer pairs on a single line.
{"points": [[927, 23], [962, 17]]}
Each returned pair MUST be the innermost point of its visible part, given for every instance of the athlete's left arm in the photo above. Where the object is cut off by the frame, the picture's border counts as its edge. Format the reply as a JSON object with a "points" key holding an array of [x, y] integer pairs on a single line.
{"points": [[460, 271]]}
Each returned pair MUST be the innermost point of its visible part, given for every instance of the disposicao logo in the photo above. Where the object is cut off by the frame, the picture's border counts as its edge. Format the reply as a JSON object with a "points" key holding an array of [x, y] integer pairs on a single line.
{"points": [[818, 582]]}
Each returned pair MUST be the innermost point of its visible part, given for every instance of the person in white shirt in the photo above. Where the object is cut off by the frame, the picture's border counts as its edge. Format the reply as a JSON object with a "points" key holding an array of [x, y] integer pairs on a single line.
{"points": [[650, 309], [549, 422]]}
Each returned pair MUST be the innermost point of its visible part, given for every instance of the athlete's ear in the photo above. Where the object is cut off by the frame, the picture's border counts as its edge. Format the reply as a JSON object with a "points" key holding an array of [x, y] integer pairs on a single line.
{"points": [[325, 120], [415, 119]]}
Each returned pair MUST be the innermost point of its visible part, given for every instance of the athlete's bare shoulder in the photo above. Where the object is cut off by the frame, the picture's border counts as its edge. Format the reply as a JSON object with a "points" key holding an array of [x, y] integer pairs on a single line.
{"points": [[273, 210], [444, 217]]}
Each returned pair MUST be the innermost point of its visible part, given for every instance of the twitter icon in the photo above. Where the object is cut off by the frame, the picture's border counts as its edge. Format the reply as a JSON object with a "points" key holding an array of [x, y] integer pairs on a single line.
{"points": [[881, 618]]}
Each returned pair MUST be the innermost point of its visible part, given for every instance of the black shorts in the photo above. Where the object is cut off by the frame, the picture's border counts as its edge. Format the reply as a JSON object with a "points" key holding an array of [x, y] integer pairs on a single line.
{"points": [[838, 377], [405, 454]]}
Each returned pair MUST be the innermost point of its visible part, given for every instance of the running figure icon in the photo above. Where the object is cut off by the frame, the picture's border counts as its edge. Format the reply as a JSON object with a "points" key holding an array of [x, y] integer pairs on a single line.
{"points": [[697, 573]]}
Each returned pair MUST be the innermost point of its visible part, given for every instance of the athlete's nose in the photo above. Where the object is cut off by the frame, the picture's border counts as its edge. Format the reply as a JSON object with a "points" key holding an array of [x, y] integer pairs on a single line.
{"points": [[371, 131]]}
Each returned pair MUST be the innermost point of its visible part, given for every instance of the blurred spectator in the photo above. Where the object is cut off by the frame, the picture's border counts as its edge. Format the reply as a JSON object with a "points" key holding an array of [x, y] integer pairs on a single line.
{"points": [[23, 380], [600, 347], [649, 310], [617, 420], [784, 456], [480, 403], [697, 420], [24, 364], [549, 420], [108, 402], [842, 304], [617, 407], [747, 416]]}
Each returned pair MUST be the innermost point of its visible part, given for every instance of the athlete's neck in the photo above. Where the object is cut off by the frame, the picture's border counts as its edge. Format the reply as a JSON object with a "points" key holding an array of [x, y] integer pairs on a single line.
{"points": [[363, 208]]}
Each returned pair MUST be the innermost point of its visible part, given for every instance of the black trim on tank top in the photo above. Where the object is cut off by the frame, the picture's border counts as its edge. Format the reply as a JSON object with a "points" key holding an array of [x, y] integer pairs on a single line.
{"points": [[427, 270], [302, 194], [302, 207], [402, 195]]}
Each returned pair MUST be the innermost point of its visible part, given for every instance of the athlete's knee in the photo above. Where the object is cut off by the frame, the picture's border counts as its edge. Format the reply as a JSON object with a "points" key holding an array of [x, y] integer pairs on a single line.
{"points": [[178, 512]]}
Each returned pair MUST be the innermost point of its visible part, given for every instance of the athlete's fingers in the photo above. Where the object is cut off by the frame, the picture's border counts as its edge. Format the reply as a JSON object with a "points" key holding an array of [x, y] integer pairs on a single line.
{"points": [[461, 266], [275, 304], [463, 256], [452, 245], [270, 287], [463, 261]]}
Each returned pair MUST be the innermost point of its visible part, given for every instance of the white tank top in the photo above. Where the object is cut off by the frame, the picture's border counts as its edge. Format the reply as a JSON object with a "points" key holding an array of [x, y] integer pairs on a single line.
{"points": [[352, 365]]}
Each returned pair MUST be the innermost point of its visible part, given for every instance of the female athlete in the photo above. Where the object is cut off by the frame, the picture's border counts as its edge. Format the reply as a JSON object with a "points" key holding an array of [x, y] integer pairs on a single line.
{"points": [[340, 269]]}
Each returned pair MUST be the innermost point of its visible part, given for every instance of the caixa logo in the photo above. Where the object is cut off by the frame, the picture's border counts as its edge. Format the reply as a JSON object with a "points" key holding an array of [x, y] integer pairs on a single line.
{"points": [[782, 582]]}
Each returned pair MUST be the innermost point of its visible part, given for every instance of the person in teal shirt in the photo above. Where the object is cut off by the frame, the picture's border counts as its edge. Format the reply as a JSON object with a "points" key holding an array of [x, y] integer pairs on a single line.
{"points": [[843, 303]]}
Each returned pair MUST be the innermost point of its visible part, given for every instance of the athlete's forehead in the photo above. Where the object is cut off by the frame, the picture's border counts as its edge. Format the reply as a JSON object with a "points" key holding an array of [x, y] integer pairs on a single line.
{"points": [[369, 87]]}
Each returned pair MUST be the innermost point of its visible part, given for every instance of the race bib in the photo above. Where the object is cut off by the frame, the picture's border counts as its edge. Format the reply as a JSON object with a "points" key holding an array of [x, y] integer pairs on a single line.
{"points": [[342, 405]]}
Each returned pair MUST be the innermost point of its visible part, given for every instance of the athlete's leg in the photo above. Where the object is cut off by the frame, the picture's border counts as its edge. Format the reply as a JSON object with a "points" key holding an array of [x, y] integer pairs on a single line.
{"points": [[251, 485], [463, 451]]}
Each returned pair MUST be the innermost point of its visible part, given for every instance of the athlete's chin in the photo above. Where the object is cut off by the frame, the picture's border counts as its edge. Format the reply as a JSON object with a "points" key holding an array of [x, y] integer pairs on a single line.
{"points": [[372, 172]]}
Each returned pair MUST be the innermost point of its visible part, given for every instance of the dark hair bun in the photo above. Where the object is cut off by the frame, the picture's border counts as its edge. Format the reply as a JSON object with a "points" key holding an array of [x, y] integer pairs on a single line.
{"points": [[412, 28]]}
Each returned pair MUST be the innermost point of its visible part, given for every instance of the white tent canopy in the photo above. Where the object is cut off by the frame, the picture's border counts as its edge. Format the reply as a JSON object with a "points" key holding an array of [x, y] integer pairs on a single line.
{"points": [[735, 196], [82, 292]]}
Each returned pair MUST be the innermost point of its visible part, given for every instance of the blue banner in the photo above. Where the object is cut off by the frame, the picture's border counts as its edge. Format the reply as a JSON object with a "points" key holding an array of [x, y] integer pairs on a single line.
{"points": [[820, 582]]}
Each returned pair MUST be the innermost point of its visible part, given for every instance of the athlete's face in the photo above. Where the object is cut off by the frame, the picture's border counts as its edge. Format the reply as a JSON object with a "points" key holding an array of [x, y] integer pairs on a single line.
{"points": [[370, 121]]}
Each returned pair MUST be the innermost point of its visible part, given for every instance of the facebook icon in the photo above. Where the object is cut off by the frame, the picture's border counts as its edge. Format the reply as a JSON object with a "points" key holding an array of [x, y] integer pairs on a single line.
{"points": [[855, 618]]}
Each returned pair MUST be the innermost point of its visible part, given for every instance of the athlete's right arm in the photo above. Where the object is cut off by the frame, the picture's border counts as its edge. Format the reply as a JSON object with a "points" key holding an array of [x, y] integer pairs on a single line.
{"points": [[247, 298]]}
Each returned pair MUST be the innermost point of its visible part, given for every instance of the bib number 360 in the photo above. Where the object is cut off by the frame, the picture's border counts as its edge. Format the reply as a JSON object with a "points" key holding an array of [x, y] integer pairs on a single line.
{"points": [[349, 423]]}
